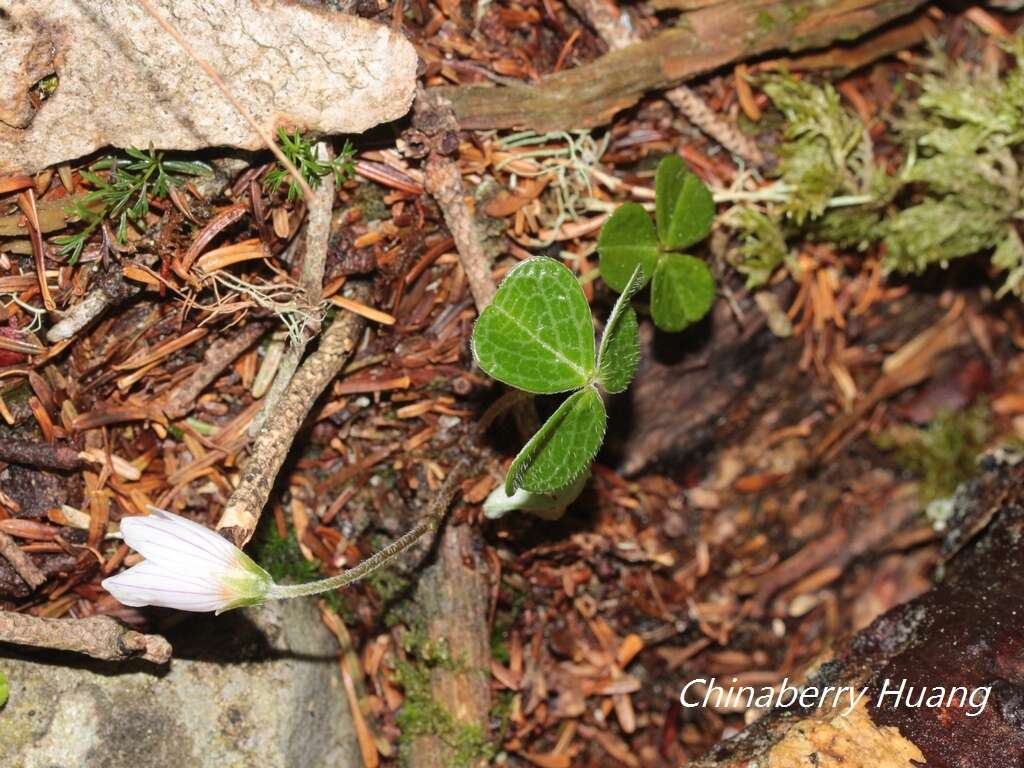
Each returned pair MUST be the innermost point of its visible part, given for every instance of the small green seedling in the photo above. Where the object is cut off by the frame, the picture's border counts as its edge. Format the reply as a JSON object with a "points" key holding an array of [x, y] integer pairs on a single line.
{"points": [[4, 689], [537, 335], [302, 154], [682, 287], [123, 196]]}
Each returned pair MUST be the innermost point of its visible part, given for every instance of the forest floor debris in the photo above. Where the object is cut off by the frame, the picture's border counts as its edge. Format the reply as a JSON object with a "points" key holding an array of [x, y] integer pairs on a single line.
{"points": [[744, 543]]}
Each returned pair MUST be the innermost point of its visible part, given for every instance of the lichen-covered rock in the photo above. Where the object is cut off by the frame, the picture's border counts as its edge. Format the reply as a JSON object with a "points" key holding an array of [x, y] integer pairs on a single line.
{"points": [[249, 688], [76, 76]]}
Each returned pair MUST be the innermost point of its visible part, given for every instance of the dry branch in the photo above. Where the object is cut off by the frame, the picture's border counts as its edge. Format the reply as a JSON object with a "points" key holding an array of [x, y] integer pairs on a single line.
{"points": [[99, 636], [44, 455], [438, 127], [705, 39], [314, 261], [242, 512], [218, 356]]}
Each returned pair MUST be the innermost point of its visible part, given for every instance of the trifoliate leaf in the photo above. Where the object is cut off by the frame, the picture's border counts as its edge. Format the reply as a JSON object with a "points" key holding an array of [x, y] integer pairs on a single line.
{"points": [[683, 292], [683, 205], [627, 240], [549, 506], [4, 689], [619, 353], [562, 448], [537, 334]]}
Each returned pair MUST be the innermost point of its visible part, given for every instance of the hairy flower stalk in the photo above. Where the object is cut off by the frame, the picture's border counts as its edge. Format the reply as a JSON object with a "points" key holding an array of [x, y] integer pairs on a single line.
{"points": [[192, 568]]}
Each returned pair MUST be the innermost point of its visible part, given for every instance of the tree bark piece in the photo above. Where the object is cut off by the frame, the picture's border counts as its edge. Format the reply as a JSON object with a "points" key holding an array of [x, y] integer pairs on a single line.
{"points": [[968, 631], [288, 63], [271, 446], [100, 637], [705, 39], [453, 596]]}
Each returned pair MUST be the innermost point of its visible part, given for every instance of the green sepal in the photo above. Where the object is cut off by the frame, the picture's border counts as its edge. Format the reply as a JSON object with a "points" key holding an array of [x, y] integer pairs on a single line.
{"points": [[548, 506]]}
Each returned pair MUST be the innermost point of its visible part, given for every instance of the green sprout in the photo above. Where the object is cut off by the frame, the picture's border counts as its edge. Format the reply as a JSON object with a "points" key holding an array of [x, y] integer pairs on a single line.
{"points": [[538, 335], [302, 154], [123, 194], [4, 689], [682, 286]]}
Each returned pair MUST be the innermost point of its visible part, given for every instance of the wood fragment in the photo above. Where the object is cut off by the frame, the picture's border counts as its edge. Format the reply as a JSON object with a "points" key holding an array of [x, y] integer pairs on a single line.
{"points": [[43, 455], [705, 39], [434, 118], [311, 279], [216, 359]]}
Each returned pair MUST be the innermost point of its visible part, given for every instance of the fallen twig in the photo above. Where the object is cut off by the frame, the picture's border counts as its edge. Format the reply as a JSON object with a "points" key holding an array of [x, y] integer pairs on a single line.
{"points": [[434, 119], [318, 233], [100, 637], [725, 132], [242, 512], [45, 455]]}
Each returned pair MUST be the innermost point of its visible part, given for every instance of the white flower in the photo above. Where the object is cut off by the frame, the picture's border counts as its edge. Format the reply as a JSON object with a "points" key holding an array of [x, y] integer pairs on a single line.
{"points": [[187, 566]]}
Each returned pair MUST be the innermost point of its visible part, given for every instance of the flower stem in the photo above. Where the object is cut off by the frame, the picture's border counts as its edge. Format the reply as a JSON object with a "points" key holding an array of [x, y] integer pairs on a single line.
{"points": [[438, 506], [373, 563]]}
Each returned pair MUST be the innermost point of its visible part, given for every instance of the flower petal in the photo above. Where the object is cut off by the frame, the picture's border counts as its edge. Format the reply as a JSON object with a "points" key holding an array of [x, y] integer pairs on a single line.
{"points": [[151, 584], [179, 544]]}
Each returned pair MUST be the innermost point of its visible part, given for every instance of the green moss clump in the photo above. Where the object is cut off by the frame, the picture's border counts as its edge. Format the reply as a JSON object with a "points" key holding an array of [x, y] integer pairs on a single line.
{"points": [[284, 561], [282, 558], [957, 192], [765, 22], [422, 715], [944, 454], [369, 197]]}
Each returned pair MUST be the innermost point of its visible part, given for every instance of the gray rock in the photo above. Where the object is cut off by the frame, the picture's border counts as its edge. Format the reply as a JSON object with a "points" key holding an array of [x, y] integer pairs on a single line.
{"points": [[256, 687], [289, 64]]}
